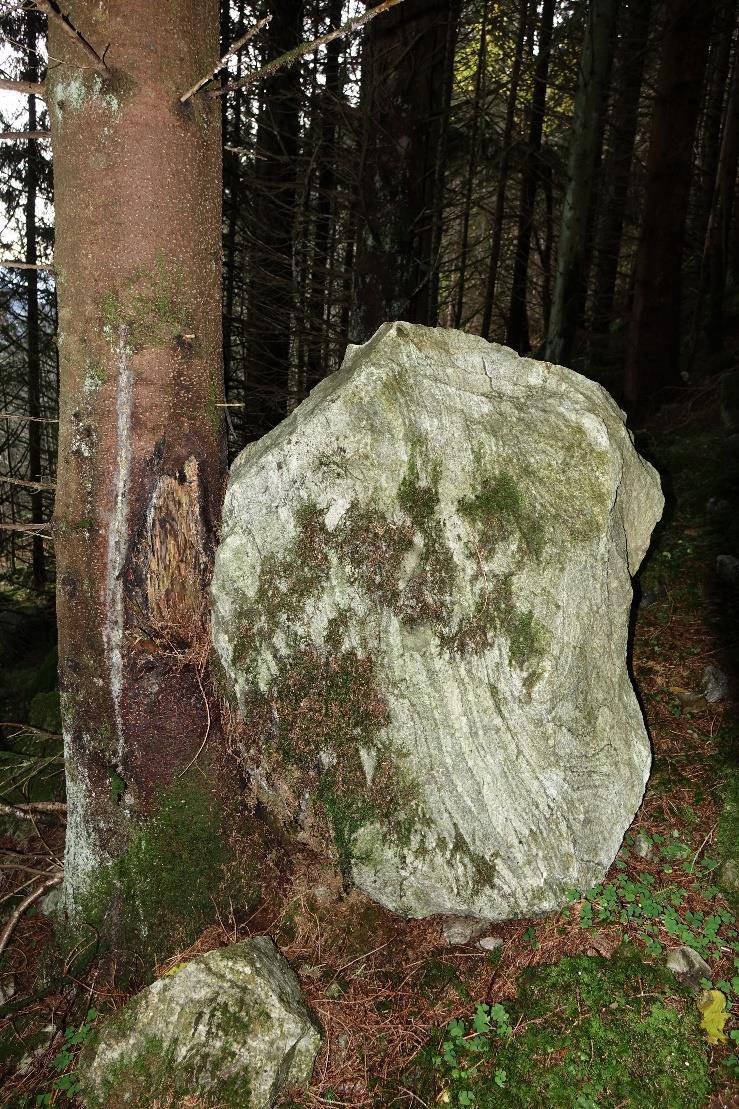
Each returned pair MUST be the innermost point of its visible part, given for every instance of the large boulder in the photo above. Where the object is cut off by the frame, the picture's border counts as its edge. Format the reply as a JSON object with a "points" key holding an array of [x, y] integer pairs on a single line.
{"points": [[229, 1029], [421, 605]]}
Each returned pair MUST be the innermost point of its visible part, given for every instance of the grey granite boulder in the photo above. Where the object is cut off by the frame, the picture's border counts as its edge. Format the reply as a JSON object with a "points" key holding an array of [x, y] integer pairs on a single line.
{"points": [[421, 603], [229, 1028]]}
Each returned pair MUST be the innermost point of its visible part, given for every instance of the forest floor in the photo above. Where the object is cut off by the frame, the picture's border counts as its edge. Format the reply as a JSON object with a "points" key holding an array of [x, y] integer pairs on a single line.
{"points": [[575, 1009]]}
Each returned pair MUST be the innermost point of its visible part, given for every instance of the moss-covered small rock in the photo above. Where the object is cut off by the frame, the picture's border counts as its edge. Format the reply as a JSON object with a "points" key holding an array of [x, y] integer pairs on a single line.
{"points": [[230, 1029]]}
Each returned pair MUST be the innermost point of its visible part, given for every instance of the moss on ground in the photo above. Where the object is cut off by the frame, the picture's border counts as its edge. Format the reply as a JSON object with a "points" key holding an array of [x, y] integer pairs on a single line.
{"points": [[588, 1033]]}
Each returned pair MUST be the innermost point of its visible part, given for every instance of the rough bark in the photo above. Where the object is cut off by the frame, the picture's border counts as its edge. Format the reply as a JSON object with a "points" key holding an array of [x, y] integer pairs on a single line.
{"points": [[406, 83], [517, 334], [590, 99], [270, 294], [141, 449], [653, 354], [632, 50]]}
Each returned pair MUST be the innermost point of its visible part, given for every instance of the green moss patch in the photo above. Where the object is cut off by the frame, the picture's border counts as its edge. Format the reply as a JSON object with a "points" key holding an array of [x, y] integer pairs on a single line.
{"points": [[588, 1033], [160, 893], [150, 306]]}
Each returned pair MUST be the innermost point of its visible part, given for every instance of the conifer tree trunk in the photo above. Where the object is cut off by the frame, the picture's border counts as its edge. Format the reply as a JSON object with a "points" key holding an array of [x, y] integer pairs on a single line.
{"points": [[32, 312], [617, 169], [406, 83], [500, 195], [141, 452], [270, 295], [592, 90], [652, 361], [719, 224], [517, 334]]}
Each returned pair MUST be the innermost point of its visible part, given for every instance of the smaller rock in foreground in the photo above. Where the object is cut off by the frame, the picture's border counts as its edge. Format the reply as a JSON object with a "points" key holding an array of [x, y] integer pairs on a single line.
{"points": [[687, 965], [715, 685], [230, 1028], [463, 929]]}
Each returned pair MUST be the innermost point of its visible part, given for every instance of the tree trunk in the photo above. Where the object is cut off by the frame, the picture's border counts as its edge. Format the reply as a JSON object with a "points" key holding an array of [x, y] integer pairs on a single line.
{"points": [[617, 169], [500, 194], [518, 330], [719, 225], [32, 313], [141, 468], [653, 355], [270, 295], [317, 320], [406, 83], [477, 111], [590, 99]]}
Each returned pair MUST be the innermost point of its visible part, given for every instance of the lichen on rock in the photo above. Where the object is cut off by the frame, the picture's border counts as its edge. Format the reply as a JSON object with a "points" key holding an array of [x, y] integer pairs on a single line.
{"points": [[421, 604]]}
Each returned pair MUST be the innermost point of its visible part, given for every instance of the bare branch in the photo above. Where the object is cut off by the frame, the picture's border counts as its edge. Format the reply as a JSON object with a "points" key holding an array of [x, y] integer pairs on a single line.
{"points": [[305, 48], [10, 264], [29, 728], [25, 904], [233, 49], [52, 12], [33, 419], [36, 528], [42, 485], [30, 88], [27, 812], [13, 136]]}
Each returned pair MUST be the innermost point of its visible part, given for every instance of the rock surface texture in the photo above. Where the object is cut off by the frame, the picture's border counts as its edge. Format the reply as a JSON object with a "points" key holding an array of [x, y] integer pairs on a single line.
{"points": [[421, 603], [229, 1029]]}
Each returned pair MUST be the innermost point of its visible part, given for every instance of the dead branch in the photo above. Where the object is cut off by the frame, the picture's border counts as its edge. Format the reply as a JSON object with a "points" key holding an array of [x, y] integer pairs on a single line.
{"points": [[42, 485], [298, 52], [37, 529], [10, 264], [233, 49], [32, 809], [21, 416], [53, 14], [12, 136], [25, 904], [30, 88], [29, 728]]}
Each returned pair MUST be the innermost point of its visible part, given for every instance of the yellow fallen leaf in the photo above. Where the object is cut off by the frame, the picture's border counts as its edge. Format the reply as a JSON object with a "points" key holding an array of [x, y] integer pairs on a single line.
{"points": [[712, 1004], [443, 1098], [174, 970]]}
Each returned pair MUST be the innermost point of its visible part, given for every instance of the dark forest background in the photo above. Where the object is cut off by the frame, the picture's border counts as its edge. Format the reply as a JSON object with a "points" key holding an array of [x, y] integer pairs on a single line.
{"points": [[555, 175]]}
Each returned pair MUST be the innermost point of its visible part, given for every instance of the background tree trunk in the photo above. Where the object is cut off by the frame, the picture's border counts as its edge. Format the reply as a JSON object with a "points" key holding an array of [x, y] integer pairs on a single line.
{"points": [[592, 91], [505, 154], [38, 560], [517, 335], [653, 356], [271, 291], [141, 453], [405, 92], [624, 114]]}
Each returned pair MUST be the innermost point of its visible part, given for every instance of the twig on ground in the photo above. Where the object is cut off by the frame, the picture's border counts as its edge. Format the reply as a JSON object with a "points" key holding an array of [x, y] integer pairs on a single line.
{"points": [[26, 904]]}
